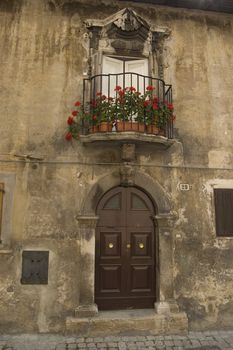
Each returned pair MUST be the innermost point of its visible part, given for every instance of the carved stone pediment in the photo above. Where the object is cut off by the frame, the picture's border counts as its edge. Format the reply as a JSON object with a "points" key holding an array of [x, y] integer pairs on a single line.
{"points": [[129, 21], [125, 33], [126, 20], [126, 24]]}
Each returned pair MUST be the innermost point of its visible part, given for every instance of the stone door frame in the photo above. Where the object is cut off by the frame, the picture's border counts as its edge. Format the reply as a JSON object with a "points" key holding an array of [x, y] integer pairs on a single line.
{"points": [[87, 221]]}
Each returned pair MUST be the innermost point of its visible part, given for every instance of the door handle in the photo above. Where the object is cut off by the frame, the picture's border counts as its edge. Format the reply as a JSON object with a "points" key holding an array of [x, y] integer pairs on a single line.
{"points": [[141, 245], [128, 246], [111, 245]]}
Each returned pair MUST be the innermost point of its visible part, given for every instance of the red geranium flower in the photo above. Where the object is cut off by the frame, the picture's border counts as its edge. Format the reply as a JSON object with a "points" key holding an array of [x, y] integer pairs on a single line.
{"points": [[70, 120], [170, 106], [146, 103], [155, 99], [68, 136], [131, 88], [155, 106], [117, 88], [150, 88], [99, 93], [77, 104], [74, 113], [121, 93], [93, 103], [103, 97]]}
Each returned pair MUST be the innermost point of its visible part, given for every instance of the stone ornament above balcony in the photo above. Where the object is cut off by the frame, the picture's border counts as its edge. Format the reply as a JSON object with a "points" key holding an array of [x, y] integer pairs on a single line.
{"points": [[128, 22], [126, 32]]}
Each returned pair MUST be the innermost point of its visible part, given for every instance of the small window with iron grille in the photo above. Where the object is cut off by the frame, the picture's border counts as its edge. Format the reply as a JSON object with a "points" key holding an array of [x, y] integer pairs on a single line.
{"points": [[1, 208], [223, 199]]}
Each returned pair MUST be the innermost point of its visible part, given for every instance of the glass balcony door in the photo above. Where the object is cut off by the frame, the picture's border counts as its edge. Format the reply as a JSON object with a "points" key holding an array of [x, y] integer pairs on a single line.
{"points": [[118, 72]]}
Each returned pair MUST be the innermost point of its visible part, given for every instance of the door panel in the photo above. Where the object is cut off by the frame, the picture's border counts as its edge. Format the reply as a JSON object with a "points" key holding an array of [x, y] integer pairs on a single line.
{"points": [[110, 279], [110, 244], [140, 279], [141, 244], [125, 250]]}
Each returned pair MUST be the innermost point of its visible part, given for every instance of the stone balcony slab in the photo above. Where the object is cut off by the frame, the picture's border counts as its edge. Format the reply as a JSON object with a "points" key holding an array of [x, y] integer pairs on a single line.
{"points": [[127, 137]]}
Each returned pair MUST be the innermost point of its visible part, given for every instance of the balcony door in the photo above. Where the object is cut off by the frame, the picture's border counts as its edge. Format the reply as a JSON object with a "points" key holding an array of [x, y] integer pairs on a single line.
{"points": [[124, 67], [125, 251]]}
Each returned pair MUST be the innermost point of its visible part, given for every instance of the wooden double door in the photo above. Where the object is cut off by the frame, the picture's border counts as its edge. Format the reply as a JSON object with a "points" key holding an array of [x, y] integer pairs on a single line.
{"points": [[125, 251]]}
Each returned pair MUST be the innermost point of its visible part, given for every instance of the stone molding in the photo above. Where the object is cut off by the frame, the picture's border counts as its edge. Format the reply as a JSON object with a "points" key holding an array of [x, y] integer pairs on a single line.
{"points": [[89, 222], [165, 220], [111, 180]]}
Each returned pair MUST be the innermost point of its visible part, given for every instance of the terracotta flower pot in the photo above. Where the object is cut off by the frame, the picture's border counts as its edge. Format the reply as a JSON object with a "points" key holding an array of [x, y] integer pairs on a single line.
{"points": [[94, 129], [139, 127], [130, 126], [105, 127], [152, 129], [123, 126]]}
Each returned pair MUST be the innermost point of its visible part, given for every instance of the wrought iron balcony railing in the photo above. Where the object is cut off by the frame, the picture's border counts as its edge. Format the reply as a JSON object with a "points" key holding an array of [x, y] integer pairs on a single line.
{"points": [[128, 102]]}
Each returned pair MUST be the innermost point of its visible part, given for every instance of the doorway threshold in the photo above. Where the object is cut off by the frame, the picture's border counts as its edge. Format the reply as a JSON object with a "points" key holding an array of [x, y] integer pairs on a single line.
{"points": [[128, 322]]}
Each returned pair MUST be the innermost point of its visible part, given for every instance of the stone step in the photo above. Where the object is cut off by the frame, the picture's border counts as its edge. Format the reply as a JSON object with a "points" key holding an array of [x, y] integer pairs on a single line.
{"points": [[128, 322]]}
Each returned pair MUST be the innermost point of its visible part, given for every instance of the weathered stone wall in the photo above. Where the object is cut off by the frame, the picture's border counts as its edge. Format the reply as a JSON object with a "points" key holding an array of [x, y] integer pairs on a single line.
{"points": [[43, 56]]}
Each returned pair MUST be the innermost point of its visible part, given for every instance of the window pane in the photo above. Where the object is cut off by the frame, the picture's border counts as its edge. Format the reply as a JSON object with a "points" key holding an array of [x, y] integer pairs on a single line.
{"points": [[139, 67], [114, 202], [111, 66], [138, 203]]}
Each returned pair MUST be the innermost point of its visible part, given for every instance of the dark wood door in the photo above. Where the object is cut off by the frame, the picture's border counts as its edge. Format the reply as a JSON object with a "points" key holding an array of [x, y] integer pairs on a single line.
{"points": [[125, 251]]}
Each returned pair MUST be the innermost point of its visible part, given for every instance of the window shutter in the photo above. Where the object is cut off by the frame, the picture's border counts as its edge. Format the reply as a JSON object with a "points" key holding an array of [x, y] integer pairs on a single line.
{"points": [[224, 211], [139, 67], [111, 66], [1, 206]]}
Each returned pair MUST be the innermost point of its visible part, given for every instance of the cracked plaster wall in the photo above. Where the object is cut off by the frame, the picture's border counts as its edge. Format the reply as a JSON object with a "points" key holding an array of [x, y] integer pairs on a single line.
{"points": [[43, 56]]}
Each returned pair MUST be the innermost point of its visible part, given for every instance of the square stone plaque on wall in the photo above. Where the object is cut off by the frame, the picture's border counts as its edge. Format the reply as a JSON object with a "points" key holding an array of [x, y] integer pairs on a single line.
{"points": [[35, 267]]}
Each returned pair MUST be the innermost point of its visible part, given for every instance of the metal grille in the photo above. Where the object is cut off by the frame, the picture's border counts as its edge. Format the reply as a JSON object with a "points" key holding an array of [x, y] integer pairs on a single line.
{"points": [[224, 211], [35, 267]]}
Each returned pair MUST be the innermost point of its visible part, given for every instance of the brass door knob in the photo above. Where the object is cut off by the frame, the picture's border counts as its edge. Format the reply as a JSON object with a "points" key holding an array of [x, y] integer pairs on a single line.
{"points": [[128, 246], [111, 245], [141, 245]]}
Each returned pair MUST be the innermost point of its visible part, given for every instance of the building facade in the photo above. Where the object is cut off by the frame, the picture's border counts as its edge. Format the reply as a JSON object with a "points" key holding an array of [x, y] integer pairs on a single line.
{"points": [[115, 220]]}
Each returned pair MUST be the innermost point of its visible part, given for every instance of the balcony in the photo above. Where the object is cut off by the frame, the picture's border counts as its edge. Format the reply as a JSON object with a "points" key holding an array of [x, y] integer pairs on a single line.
{"points": [[126, 107]]}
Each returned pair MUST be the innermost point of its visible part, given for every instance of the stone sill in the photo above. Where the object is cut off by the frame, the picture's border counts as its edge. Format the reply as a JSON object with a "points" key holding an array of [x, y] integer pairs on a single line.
{"points": [[5, 250], [126, 137]]}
